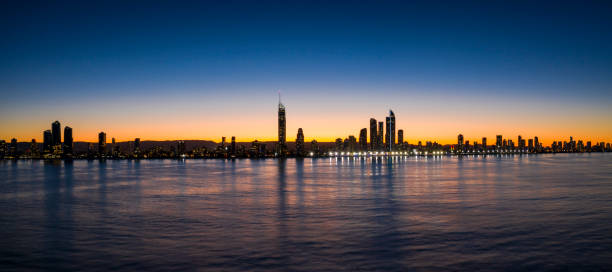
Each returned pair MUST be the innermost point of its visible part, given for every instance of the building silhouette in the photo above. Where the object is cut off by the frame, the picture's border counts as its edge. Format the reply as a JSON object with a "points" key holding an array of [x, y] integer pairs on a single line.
{"points": [[400, 138], [34, 148], [299, 143], [338, 144], [363, 139], [282, 129], [314, 148], [380, 135], [233, 146], [56, 131], [390, 133], [137, 146], [13, 148], [181, 148], [101, 143], [373, 134], [47, 141], [68, 141]]}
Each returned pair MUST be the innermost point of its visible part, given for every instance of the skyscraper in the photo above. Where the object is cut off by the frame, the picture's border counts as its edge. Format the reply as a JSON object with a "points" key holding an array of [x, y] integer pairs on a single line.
{"points": [[390, 133], [380, 135], [47, 141], [363, 139], [233, 145], [68, 141], [530, 145], [299, 143], [400, 138], [460, 142], [57, 133], [350, 143], [101, 143], [282, 129], [484, 143], [373, 134], [498, 141]]}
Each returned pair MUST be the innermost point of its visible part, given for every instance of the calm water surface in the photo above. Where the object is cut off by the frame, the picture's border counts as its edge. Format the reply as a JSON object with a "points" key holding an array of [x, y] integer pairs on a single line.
{"points": [[544, 212]]}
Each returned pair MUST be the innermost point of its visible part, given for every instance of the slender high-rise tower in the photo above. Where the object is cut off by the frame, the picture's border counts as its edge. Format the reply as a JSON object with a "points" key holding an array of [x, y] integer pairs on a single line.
{"points": [[380, 142], [390, 135], [68, 144], [282, 128], [56, 131], [101, 143], [400, 138], [373, 134], [47, 141], [233, 145]]}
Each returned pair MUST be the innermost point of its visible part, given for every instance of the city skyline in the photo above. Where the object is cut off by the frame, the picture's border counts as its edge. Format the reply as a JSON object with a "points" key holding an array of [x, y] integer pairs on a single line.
{"points": [[213, 70], [55, 132], [385, 140]]}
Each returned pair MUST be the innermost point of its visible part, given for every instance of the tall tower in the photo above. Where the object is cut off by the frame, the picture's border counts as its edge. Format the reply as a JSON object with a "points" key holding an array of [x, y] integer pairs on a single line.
{"points": [[460, 142], [484, 143], [101, 143], [363, 139], [380, 141], [390, 133], [373, 134], [233, 145], [299, 143], [282, 128], [400, 138], [498, 141], [56, 131], [68, 141], [47, 141]]}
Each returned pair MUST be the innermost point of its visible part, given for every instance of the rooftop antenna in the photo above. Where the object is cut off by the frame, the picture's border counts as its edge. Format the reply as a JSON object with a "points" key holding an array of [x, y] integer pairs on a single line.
{"points": [[280, 104]]}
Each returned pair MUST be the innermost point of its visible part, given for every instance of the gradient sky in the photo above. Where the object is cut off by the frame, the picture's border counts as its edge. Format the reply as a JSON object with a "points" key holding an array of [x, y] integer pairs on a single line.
{"points": [[206, 69]]}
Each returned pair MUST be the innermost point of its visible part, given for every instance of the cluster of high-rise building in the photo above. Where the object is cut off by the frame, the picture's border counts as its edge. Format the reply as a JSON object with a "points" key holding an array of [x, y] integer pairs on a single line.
{"points": [[383, 140], [52, 146]]}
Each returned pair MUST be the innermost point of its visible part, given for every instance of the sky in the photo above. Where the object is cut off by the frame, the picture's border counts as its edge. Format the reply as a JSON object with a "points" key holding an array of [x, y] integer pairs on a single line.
{"points": [[168, 70]]}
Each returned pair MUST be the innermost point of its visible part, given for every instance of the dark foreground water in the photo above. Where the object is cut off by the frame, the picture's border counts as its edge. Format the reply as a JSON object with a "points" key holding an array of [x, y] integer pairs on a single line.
{"points": [[544, 212]]}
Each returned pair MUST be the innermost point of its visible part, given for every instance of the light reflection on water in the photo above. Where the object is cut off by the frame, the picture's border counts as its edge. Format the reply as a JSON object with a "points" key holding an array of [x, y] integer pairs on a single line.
{"points": [[544, 212]]}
